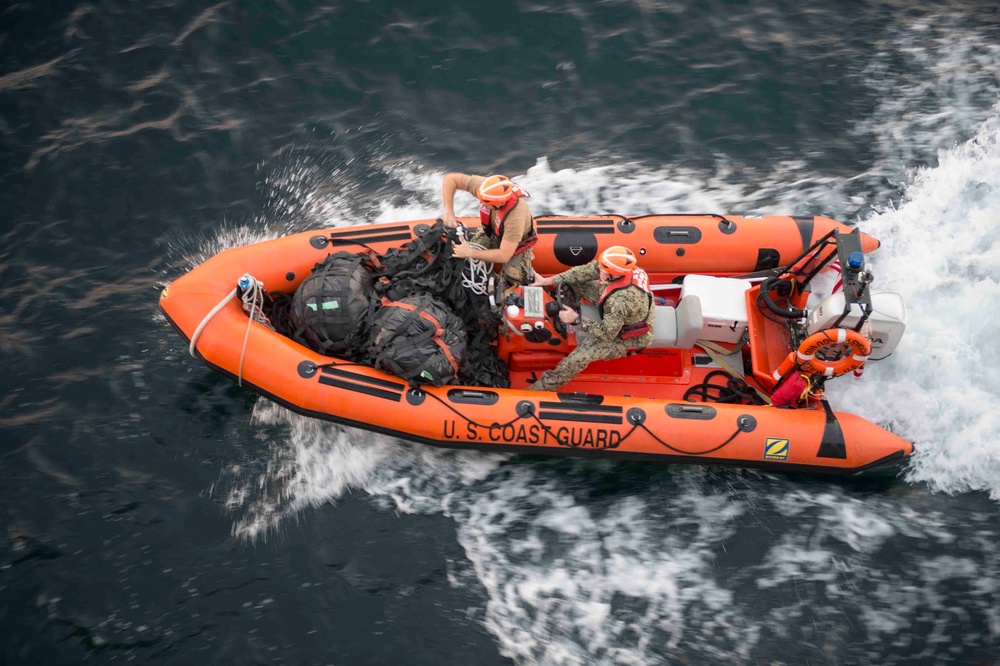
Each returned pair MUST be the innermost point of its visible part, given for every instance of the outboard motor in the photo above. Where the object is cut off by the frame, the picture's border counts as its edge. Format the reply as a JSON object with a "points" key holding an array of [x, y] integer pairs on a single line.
{"points": [[887, 318], [855, 301]]}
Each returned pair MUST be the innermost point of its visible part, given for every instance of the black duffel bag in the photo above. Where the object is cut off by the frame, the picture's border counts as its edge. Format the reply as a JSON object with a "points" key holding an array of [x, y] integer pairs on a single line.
{"points": [[419, 339], [330, 308]]}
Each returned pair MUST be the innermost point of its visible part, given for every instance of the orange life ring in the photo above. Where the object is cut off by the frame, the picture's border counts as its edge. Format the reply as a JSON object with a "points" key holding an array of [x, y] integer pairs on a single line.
{"points": [[809, 363]]}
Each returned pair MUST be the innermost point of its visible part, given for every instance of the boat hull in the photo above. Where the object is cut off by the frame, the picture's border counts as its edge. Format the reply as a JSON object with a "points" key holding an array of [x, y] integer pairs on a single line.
{"points": [[613, 426]]}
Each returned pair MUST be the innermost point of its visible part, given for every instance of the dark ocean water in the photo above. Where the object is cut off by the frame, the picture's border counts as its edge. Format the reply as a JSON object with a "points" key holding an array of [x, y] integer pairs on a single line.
{"points": [[155, 512]]}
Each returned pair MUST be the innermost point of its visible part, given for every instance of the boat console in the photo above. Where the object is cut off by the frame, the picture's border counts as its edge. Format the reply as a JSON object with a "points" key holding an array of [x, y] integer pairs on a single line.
{"points": [[532, 339]]}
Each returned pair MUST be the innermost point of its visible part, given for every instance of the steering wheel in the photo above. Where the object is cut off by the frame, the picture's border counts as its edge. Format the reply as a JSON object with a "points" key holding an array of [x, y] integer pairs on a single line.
{"points": [[565, 295]]}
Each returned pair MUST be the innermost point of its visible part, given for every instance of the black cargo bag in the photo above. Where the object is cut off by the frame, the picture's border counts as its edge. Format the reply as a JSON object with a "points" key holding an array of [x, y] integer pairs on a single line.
{"points": [[330, 308], [418, 338]]}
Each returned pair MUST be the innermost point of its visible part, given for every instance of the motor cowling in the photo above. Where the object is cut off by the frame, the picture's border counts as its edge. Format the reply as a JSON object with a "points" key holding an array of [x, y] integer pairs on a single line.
{"points": [[887, 319]]}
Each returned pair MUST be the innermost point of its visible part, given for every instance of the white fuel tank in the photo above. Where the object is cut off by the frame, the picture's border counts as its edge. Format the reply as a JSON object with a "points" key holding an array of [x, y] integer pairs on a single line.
{"points": [[888, 319]]}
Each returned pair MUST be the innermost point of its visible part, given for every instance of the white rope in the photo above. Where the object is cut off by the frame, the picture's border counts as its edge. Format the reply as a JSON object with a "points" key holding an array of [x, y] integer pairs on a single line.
{"points": [[253, 300], [253, 306], [476, 273], [208, 317]]}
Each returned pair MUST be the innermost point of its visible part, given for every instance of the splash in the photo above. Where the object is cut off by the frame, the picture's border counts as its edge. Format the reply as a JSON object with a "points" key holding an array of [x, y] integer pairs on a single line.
{"points": [[311, 463], [941, 252]]}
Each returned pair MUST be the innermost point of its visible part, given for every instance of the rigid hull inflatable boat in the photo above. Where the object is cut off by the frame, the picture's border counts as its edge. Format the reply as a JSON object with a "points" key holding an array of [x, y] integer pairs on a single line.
{"points": [[743, 344]]}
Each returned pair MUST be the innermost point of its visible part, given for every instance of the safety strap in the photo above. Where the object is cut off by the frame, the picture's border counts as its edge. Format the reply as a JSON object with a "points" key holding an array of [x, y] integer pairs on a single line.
{"points": [[718, 354]]}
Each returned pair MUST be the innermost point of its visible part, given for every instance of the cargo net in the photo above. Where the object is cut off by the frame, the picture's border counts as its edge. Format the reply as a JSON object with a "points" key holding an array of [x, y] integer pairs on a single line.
{"points": [[405, 312]]}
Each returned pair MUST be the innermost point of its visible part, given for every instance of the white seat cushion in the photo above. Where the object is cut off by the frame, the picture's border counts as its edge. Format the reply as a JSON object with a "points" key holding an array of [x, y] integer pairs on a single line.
{"points": [[679, 327]]}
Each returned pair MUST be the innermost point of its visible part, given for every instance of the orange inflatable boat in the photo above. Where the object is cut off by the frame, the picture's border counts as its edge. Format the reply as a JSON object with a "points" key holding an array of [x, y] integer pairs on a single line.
{"points": [[744, 345]]}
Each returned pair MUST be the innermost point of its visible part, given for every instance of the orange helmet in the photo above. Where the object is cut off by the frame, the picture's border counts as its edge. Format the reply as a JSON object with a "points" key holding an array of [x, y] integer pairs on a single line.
{"points": [[617, 260], [495, 191]]}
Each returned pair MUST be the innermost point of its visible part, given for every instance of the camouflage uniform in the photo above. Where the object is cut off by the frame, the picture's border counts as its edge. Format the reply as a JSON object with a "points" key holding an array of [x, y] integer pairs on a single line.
{"points": [[518, 269], [625, 306]]}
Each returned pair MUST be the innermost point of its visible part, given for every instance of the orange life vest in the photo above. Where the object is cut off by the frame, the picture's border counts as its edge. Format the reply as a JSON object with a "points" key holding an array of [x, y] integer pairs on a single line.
{"points": [[638, 279], [495, 226]]}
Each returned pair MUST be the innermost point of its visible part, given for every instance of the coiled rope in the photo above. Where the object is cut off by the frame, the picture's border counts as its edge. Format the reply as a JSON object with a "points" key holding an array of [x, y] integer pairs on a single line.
{"points": [[476, 273]]}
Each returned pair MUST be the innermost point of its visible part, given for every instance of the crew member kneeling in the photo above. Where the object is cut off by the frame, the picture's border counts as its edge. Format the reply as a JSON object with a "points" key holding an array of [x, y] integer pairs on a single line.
{"points": [[621, 291]]}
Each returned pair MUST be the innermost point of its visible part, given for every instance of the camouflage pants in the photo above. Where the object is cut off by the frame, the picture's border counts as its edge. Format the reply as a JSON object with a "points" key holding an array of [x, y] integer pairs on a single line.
{"points": [[518, 270], [591, 349]]}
